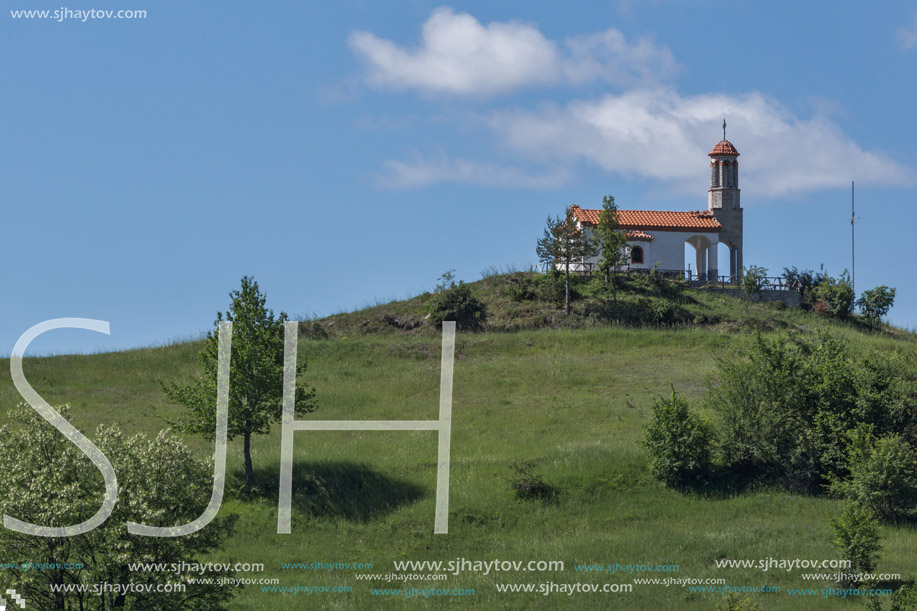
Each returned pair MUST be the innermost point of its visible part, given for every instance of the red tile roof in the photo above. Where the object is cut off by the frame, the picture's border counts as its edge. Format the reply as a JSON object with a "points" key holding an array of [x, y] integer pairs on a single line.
{"points": [[724, 148], [661, 220], [635, 235]]}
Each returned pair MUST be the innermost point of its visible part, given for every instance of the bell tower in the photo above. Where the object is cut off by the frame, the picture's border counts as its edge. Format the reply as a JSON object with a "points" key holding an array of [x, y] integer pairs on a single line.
{"points": [[723, 200]]}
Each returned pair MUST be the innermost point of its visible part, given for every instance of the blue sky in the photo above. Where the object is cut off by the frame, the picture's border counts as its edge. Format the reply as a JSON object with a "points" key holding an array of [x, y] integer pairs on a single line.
{"points": [[348, 151]]}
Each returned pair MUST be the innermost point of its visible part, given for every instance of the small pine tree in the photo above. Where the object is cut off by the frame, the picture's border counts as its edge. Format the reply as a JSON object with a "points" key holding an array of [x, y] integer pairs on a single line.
{"points": [[565, 243], [613, 241]]}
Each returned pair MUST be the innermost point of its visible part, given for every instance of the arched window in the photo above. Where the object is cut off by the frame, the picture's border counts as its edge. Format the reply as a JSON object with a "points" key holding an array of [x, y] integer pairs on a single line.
{"points": [[636, 254]]}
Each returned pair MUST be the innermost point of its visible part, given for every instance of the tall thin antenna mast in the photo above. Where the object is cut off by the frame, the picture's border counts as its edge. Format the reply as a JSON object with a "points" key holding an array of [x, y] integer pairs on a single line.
{"points": [[853, 259]]}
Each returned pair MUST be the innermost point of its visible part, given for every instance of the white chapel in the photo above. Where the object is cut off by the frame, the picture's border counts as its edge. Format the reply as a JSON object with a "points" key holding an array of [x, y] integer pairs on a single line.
{"points": [[659, 236]]}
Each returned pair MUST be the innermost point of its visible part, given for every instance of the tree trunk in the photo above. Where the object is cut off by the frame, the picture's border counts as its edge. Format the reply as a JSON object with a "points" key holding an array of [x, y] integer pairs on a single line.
{"points": [[247, 451], [614, 287], [567, 289]]}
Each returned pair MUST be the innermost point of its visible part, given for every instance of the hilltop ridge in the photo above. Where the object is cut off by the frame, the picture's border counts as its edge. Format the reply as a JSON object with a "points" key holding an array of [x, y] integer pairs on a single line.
{"points": [[520, 301]]}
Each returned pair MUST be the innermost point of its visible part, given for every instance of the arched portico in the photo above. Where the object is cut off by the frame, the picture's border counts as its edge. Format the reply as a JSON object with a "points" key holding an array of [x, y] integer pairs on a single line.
{"points": [[705, 256], [735, 259]]}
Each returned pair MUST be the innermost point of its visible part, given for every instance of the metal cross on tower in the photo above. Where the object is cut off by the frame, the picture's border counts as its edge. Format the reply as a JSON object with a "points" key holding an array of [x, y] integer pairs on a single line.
{"points": [[724, 128]]}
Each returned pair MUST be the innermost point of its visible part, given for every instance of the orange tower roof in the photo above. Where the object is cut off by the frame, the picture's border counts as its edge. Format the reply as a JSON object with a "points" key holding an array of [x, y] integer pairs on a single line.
{"points": [[724, 148]]}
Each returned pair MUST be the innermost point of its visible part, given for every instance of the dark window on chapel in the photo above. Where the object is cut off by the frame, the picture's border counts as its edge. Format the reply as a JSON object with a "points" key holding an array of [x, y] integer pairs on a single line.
{"points": [[636, 255]]}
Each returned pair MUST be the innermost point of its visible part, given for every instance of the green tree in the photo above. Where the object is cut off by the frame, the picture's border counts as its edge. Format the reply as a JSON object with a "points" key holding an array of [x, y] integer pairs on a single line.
{"points": [[753, 279], [565, 243], [256, 375], [785, 406], [904, 599], [613, 241], [875, 303], [836, 295], [798, 409], [47, 480], [679, 443], [807, 282], [883, 477], [856, 536]]}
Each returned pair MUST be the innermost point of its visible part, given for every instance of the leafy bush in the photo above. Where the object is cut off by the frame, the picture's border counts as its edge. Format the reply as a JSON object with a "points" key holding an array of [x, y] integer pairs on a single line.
{"points": [[835, 295], [823, 293], [550, 287], [47, 480], [677, 286], [664, 312], [313, 329], [785, 408], [521, 287], [679, 443], [446, 281], [597, 287], [793, 409], [530, 486], [875, 303], [856, 535], [734, 602], [753, 279], [883, 477], [905, 599], [656, 279], [788, 407], [654, 282], [807, 281], [459, 304]]}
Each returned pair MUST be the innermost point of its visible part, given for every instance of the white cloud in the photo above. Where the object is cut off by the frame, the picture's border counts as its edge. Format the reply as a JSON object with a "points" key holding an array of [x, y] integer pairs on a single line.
{"points": [[662, 135], [649, 131], [907, 36], [422, 173], [460, 56]]}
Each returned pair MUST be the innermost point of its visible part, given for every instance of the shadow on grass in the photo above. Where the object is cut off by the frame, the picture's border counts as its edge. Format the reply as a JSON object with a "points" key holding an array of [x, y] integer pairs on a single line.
{"points": [[722, 482], [346, 490]]}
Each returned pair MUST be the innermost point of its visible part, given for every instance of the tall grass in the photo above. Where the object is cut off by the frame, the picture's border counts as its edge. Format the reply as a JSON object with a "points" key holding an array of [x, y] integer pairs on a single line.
{"points": [[569, 402], [498, 270]]}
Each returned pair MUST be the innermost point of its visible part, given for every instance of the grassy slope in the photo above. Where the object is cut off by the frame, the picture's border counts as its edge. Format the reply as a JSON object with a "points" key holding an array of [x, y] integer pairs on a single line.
{"points": [[571, 400]]}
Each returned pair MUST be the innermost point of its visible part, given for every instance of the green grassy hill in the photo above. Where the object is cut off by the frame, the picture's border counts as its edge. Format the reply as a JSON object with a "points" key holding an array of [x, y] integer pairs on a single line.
{"points": [[569, 395]]}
